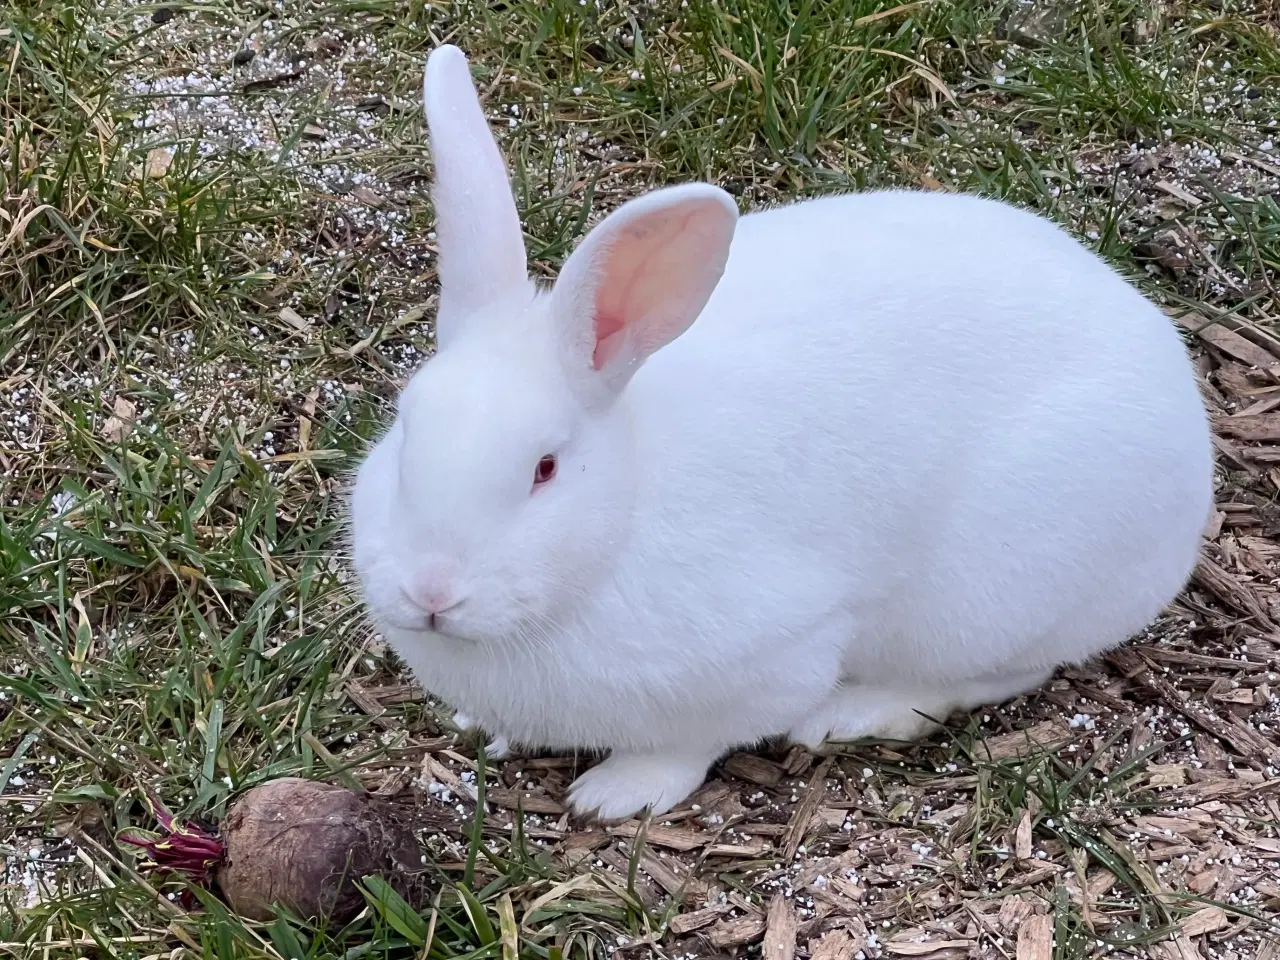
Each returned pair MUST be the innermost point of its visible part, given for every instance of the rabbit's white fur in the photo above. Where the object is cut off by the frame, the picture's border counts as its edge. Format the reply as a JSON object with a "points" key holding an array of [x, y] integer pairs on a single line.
{"points": [[916, 451]]}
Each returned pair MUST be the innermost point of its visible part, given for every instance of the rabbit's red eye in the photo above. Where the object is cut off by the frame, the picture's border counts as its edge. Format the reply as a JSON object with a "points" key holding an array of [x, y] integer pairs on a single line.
{"points": [[545, 470]]}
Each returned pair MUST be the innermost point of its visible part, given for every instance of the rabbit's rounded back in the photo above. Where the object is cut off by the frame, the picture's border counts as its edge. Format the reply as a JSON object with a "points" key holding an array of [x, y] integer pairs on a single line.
{"points": [[1010, 435]]}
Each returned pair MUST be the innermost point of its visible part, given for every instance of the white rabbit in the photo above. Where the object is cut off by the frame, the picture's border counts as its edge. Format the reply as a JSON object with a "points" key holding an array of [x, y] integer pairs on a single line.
{"points": [[917, 451]]}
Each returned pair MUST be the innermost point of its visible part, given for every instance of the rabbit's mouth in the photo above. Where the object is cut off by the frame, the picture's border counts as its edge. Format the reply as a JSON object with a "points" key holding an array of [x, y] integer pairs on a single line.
{"points": [[448, 627], [437, 627]]}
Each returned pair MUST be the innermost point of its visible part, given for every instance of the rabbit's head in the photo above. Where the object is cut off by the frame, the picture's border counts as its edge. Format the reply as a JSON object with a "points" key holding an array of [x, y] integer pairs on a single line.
{"points": [[504, 486]]}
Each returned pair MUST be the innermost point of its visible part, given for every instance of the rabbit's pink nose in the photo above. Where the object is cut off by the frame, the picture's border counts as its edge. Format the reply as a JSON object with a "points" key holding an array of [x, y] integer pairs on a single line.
{"points": [[433, 589]]}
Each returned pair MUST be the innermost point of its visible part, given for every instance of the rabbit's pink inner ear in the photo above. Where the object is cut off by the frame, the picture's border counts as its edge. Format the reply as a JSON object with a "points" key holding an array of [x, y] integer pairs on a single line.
{"points": [[609, 331], [658, 271]]}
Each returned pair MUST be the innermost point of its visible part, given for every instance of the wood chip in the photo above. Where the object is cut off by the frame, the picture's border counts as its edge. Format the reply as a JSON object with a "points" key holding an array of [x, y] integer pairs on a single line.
{"points": [[1035, 875], [1231, 591], [1265, 405], [1022, 837], [1199, 660], [368, 703], [1013, 914], [914, 948], [1237, 346], [621, 863], [1240, 695], [398, 693], [1173, 829], [780, 931], [671, 838], [1097, 883], [805, 809], [736, 933], [753, 769], [1252, 161], [1166, 775], [394, 784], [1255, 427], [1180, 949], [1038, 737], [1178, 193], [834, 945], [1208, 920], [663, 873], [686, 923], [1243, 738], [529, 803], [294, 319], [1035, 939], [433, 769], [740, 851]]}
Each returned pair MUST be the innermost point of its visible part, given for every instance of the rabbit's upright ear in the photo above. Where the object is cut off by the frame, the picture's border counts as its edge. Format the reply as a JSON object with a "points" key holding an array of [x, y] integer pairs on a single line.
{"points": [[482, 256], [639, 280]]}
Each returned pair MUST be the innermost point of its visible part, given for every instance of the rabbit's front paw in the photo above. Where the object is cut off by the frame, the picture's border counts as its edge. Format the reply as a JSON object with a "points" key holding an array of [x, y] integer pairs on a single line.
{"points": [[626, 783]]}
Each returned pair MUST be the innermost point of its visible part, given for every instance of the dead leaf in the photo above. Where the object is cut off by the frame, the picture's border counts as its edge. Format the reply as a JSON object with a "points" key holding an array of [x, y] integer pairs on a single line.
{"points": [[308, 415], [1165, 256], [159, 160], [121, 420], [369, 198], [1145, 163]]}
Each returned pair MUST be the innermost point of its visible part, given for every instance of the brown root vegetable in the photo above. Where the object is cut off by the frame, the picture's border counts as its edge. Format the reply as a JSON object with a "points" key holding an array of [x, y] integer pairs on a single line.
{"points": [[305, 845]]}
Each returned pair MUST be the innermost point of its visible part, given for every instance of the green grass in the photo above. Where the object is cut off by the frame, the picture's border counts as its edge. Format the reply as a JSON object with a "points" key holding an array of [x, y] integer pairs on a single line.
{"points": [[174, 614]]}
